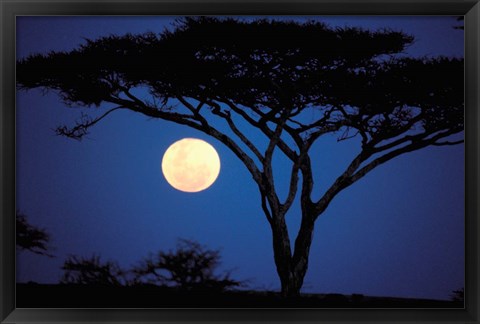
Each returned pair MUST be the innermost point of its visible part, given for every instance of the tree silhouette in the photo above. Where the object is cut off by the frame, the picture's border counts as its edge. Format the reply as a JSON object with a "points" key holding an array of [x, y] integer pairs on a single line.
{"points": [[92, 271], [229, 78], [190, 266], [29, 237]]}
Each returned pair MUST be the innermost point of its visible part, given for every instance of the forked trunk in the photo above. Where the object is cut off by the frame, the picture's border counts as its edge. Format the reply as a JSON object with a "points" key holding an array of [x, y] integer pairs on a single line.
{"points": [[291, 268]]}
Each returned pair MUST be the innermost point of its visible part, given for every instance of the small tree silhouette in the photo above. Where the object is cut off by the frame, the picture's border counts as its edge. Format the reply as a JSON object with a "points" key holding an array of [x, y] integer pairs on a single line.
{"points": [[92, 271], [190, 266], [31, 238]]}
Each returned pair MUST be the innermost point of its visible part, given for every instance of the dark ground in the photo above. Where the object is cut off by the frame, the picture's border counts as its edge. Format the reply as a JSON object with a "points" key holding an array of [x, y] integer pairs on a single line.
{"points": [[79, 296]]}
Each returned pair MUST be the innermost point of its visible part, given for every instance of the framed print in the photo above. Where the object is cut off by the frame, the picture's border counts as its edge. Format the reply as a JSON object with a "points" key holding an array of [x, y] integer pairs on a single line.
{"points": [[242, 161]]}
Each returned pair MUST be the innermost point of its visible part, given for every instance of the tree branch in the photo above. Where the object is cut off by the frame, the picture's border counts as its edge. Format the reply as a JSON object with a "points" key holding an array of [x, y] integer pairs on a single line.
{"points": [[415, 145], [398, 132], [262, 126], [80, 129], [195, 111], [226, 115], [132, 97], [400, 141], [267, 168], [203, 127], [341, 182], [292, 190], [448, 143], [319, 123], [351, 175], [267, 212]]}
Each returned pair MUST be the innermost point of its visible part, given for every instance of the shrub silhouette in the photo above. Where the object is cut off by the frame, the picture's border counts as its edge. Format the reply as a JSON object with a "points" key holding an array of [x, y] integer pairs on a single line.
{"points": [[190, 266], [92, 271]]}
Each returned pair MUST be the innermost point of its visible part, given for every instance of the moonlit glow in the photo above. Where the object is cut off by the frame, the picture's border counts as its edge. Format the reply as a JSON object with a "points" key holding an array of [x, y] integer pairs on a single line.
{"points": [[191, 165]]}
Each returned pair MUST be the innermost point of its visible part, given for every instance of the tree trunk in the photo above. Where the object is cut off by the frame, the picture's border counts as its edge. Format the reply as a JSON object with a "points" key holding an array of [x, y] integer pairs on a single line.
{"points": [[291, 268], [302, 250]]}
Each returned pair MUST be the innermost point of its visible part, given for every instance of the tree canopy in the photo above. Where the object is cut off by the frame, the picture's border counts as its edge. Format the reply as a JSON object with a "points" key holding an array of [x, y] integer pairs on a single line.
{"points": [[267, 66]]}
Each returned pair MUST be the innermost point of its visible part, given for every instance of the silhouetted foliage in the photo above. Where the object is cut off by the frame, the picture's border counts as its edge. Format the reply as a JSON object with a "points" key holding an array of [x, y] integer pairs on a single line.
{"points": [[272, 76], [190, 266], [458, 295], [31, 238], [92, 271]]}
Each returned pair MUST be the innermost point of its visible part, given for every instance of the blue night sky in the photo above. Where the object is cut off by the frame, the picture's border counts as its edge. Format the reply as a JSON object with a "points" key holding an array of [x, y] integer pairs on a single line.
{"points": [[397, 232]]}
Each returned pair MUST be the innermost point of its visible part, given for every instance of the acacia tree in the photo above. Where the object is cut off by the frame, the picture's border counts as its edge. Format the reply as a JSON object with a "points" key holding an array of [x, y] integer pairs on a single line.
{"points": [[190, 266], [227, 77]]}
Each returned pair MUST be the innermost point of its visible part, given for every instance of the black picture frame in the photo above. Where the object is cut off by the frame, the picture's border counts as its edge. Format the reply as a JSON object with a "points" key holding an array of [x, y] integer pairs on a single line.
{"points": [[12, 8]]}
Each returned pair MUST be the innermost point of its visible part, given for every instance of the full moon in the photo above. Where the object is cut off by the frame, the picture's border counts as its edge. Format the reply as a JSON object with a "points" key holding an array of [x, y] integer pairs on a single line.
{"points": [[191, 165]]}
